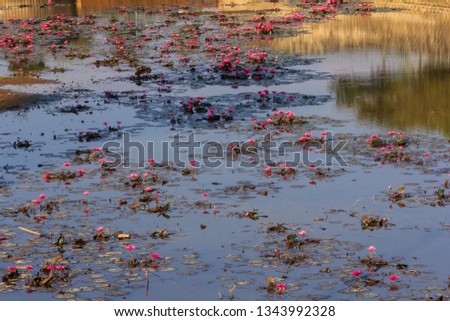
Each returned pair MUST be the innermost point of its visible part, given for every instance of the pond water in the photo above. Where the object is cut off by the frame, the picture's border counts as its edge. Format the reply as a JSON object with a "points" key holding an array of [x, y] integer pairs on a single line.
{"points": [[355, 74]]}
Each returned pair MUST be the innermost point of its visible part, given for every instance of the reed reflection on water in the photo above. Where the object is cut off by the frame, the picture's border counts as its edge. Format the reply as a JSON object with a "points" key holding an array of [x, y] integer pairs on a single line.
{"points": [[417, 99], [24, 9], [406, 86]]}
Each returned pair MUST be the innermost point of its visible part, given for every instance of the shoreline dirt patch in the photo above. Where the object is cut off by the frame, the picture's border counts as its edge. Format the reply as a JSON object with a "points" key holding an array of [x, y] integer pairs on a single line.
{"points": [[17, 81], [10, 99]]}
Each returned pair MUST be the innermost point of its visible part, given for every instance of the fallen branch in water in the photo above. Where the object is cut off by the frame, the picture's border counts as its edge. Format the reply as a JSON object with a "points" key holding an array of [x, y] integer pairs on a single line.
{"points": [[29, 231]]}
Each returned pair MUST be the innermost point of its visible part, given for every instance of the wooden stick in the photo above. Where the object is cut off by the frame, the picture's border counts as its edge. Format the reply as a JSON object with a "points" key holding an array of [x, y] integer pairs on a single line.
{"points": [[29, 231]]}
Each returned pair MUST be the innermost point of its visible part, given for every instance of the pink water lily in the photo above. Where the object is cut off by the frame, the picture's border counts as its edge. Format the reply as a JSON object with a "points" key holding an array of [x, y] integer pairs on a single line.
{"points": [[302, 233], [130, 247], [394, 277], [36, 202], [100, 228], [134, 176], [60, 267], [155, 256], [86, 193], [281, 287], [12, 268], [29, 267], [42, 196], [356, 272], [371, 248]]}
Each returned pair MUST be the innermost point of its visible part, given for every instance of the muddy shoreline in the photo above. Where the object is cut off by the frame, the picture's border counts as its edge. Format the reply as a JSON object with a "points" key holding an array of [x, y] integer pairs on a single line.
{"points": [[12, 99]]}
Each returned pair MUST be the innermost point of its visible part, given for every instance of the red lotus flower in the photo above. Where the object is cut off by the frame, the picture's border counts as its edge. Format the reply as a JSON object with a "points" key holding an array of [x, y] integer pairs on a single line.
{"points": [[356, 272], [281, 287], [36, 202]]}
